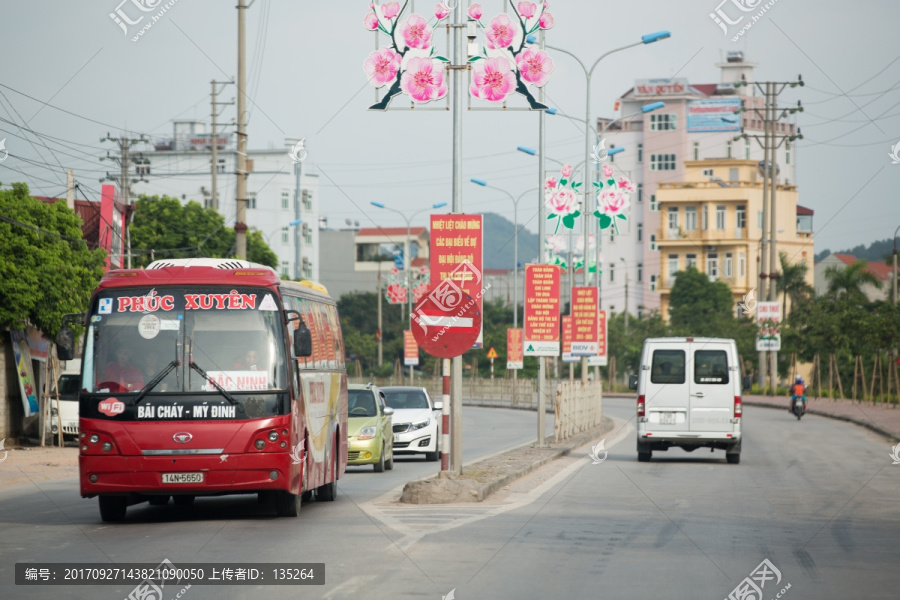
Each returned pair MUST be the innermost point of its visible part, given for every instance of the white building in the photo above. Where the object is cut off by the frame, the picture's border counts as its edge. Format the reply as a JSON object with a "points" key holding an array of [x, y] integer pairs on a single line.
{"points": [[692, 126], [181, 168]]}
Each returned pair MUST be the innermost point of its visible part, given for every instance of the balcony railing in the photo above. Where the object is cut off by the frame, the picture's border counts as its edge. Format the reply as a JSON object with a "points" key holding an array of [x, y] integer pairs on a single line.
{"points": [[702, 235]]}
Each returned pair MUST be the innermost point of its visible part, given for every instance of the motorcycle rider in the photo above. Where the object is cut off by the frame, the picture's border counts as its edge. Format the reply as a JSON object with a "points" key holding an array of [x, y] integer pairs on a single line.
{"points": [[798, 390]]}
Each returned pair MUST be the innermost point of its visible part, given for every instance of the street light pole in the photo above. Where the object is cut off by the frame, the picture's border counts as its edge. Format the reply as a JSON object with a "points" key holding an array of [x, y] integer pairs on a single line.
{"points": [[894, 274]]}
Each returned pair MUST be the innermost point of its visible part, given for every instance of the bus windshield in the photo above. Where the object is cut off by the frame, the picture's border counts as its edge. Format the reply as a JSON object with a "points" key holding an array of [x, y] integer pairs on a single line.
{"points": [[184, 339]]}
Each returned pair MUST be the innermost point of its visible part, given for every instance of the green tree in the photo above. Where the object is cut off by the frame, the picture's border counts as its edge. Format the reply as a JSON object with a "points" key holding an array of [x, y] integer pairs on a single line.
{"points": [[164, 228], [850, 280], [792, 282], [698, 306], [46, 268]]}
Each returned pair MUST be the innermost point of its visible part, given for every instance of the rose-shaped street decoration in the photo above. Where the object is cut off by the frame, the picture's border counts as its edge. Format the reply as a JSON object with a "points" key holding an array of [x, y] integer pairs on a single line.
{"points": [[613, 202], [559, 197]]}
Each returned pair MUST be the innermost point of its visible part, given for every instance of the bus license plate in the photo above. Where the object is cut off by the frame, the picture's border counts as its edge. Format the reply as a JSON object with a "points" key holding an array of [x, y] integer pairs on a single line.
{"points": [[667, 418], [182, 478]]}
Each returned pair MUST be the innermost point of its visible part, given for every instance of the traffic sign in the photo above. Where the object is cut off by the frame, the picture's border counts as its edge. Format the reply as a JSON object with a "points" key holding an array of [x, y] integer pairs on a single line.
{"points": [[447, 321], [492, 353]]}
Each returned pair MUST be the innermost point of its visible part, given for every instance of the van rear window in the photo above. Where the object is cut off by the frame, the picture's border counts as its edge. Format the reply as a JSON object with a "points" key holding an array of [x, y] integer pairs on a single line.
{"points": [[710, 367], [667, 366]]}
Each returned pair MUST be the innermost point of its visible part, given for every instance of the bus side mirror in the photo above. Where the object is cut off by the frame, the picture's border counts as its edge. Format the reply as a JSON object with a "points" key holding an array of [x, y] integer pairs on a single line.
{"points": [[632, 382], [65, 344], [302, 341]]}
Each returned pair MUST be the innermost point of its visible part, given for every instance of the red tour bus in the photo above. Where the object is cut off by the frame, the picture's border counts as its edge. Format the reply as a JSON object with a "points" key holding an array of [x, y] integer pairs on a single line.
{"points": [[206, 377]]}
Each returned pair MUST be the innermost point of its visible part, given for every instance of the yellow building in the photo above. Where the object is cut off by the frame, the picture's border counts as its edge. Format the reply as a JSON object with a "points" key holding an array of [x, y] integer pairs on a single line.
{"points": [[713, 221]]}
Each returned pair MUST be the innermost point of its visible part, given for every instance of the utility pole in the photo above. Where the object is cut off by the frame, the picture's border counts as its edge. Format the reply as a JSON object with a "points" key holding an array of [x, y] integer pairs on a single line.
{"points": [[771, 141], [240, 225], [380, 342], [70, 194], [214, 161], [124, 179]]}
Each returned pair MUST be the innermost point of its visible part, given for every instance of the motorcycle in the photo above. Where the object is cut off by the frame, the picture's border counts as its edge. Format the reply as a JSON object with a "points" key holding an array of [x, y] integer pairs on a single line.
{"points": [[799, 402]]}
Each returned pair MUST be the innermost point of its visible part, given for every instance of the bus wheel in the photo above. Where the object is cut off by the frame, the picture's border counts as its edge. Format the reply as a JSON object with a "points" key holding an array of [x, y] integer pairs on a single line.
{"points": [[328, 492], [183, 500], [287, 504], [112, 508]]}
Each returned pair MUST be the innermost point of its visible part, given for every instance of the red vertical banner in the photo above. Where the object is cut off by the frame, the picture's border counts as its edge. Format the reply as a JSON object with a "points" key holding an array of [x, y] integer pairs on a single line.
{"points": [[410, 349], [456, 239], [514, 357], [585, 326], [541, 331], [567, 327], [600, 359]]}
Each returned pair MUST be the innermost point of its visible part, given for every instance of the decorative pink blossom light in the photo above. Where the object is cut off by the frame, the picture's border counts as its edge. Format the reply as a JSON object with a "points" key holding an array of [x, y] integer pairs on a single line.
{"points": [[625, 184], [492, 80], [566, 171], [500, 32], [550, 183], [441, 11], [562, 202], [475, 12], [382, 66], [546, 21], [371, 22], [424, 80], [607, 171], [613, 203], [416, 32], [535, 66], [526, 9], [390, 10]]}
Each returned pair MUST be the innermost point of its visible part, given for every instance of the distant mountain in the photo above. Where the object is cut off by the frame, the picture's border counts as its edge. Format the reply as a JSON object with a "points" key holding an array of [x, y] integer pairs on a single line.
{"points": [[874, 252], [499, 249]]}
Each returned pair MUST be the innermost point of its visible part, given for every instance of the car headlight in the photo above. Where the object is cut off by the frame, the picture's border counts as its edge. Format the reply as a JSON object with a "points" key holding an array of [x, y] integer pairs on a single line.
{"points": [[421, 424], [367, 433]]}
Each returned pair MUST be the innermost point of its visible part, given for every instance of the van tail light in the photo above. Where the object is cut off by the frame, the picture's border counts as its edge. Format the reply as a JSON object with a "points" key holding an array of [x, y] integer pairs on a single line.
{"points": [[738, 407], [641, 411]]}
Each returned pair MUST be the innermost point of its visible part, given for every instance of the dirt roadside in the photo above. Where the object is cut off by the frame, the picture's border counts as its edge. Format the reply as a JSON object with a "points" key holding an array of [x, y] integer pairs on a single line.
{"points": [[34, 465]]}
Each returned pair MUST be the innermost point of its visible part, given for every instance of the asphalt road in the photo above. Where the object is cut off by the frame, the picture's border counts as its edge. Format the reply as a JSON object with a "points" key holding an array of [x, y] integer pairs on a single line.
{"points": [[817, 498]]}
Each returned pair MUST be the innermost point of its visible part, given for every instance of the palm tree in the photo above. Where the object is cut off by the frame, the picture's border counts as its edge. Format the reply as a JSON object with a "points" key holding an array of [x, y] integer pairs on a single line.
{"points": [[791, 282], [850, 280]]}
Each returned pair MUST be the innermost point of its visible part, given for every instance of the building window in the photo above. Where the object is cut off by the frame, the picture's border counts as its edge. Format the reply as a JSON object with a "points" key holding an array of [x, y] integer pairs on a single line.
{"points": [[742, 264], [640, 153], [690, 218], [705, 218], [673, 219], [306, 232], [653, 241], [664, 122], [653, 283], [221, 166], [612, 272], [640, 192], [709, 172], [712, 265], [285, 200], [759, 219], [727, 265], [740, 217], [747, 149], [696, 150], [673, 268], [285, 238], [251, 200], [662, 162], [284, 269], [640, 272], [612, 235], [720, 218], [653, 206], [728, 149], [306, 198], [787, 154], [690, 260], [142, 166], [640, 232], [733, 174]]}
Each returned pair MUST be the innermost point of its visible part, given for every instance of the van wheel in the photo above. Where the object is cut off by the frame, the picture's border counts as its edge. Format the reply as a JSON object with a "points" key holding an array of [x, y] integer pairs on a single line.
{"points": [[645, 456], [733, 459], [287, 504], [112, 508]]}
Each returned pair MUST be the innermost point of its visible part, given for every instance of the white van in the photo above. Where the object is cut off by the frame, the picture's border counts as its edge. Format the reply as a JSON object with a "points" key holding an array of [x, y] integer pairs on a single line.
{"points": [[689, 395], [68, 385]]}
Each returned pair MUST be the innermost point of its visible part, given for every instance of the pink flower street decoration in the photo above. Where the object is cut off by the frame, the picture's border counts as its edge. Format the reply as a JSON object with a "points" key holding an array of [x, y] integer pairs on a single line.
{"points": [[625, 184], [396, 293], [390, 10], [607, 171], [560, 199], [492, 80], [526, 9], [424, 80], [371, 22], [613, 205], [441, 11], [382, 66], [546, 21], [500, 32], [416, 32], [475, 12], [534, 66]]}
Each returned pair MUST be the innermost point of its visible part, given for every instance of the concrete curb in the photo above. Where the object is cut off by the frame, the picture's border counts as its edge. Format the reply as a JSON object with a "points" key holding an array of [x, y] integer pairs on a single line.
{"points": [[486, 489]]}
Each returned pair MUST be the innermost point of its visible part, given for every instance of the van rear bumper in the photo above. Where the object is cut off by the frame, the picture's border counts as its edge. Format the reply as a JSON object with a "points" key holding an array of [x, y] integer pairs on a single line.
{"points": [[664, 440]]}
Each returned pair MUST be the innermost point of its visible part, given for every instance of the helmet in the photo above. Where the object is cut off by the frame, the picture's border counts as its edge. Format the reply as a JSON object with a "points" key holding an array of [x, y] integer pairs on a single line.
{"points": [[799, 379]]}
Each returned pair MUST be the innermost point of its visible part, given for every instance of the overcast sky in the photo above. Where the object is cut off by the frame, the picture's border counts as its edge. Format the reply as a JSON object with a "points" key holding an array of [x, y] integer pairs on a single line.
{"points": [[305, 78]]}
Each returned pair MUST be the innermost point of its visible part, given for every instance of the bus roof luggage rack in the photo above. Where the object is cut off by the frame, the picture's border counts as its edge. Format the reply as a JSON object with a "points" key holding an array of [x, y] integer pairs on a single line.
{"points": [[216, 263]]}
